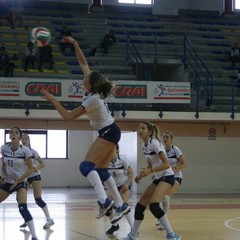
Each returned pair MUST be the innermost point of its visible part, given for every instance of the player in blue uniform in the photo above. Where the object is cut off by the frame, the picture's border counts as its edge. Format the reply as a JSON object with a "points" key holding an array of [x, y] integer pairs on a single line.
{"points": [[98, 157], [16, 167]]}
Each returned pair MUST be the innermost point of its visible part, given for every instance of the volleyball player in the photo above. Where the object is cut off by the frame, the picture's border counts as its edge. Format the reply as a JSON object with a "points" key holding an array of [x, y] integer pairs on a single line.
{"points": [[122, 173], [35, 180], [177, 162], [98, 157], [163, 180], [16, 167]]}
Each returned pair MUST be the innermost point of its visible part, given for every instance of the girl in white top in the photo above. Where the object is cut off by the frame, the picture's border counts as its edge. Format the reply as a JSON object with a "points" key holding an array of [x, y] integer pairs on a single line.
{"points": [[16, 167], [35, 180], [163, 180], [122, 173], [177, 162], [98, 157]]}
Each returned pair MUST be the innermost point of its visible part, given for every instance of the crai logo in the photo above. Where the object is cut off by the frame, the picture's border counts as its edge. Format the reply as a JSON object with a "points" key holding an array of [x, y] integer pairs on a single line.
{"points": [[130, 91], [34, 88]]}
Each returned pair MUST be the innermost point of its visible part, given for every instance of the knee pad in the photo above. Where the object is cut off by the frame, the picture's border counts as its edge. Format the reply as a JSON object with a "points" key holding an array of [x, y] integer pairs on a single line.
{"points": [[166, 203], [156, 210], [24, 212], [40, 202], [86, 167], [103, 174], [139, 212]]}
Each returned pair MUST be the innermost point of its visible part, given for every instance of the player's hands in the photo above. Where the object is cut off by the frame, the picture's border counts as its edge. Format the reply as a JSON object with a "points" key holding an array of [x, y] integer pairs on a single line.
{"points": [[14, 185], [137, 179], [68, 40], [46, 95], [145, 172], [2, 180], [125, 188]]}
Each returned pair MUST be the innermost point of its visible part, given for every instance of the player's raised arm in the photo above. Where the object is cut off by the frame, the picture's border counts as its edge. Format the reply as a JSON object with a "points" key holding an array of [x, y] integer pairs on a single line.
{"points": [[80, 56]]}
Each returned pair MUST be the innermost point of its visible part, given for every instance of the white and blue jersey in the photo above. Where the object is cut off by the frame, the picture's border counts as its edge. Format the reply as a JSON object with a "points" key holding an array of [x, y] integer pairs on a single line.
{"points": [[118, 170], [173, 154], [15, 161], [97, 111], [151, 151], [34, 162]]}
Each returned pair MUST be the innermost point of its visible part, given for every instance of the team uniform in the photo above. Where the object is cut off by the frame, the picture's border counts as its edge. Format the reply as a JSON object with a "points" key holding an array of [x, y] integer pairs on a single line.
{"points": [[15, 165], [151, 151], [36, 175], [173, 154], [101, 120], [118, 170], [100, 117]]}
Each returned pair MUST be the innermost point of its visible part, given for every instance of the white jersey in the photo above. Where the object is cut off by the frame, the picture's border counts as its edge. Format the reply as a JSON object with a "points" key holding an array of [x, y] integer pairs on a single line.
{"points": [[173, 154], [118, 170], [97, 111], [35, 162], [151, 152], [15, 161]]}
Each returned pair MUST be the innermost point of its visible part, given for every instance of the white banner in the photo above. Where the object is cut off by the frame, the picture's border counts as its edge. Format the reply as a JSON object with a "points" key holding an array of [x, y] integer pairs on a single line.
{"points": [[72, 90]]}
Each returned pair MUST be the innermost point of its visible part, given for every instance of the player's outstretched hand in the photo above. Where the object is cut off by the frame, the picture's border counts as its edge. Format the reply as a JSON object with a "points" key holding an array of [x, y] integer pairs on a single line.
{"points": [[46, 95], [68, 40]]}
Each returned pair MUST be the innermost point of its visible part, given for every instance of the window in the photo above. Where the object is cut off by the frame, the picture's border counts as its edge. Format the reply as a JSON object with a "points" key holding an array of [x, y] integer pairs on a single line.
{"points": [[237, 4], [48, 143], [148, 2]]}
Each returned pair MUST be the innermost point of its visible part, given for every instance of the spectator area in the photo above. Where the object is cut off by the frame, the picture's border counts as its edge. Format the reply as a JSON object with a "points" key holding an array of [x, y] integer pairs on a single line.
{"points": [[211, 35]]}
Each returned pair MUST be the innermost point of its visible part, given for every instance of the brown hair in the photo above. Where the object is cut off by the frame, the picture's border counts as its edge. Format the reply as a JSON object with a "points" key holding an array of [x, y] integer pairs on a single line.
{"points": [[168, 133], [154, 129], [100, 85]]}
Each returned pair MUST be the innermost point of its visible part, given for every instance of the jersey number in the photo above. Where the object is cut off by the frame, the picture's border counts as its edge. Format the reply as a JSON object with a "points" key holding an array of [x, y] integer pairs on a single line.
{"points": [[10, 163]]}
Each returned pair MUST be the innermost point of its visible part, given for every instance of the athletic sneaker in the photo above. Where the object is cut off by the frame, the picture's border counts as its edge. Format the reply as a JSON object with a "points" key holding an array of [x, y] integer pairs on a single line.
{"points": [[112, 229], [103, 208], [23, 225], [48, 224], [120, 212], [173, 236], [33, 238], [129, 237]]}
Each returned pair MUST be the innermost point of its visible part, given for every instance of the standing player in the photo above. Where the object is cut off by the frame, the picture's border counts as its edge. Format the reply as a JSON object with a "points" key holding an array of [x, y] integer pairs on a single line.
{"points": [[35, 180], [122, 173], [98, 157], [177, 162], [163, 180], [16, 167]]}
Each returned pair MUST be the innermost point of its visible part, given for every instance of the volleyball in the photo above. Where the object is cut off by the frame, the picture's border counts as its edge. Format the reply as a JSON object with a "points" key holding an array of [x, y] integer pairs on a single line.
{"points": [[40, 36]]}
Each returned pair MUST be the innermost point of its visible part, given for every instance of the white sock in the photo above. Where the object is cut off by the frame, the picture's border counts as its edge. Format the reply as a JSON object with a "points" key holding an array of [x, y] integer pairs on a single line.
{"points": [[46, 212], [32, 228], [112, 188], [166, 203], [130, 219], [166, 223], [95, 181], [136, 226]]}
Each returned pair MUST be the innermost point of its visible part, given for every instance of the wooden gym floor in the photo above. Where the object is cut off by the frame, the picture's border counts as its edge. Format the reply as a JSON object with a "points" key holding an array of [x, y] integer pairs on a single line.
{"points": [[193, 216]]}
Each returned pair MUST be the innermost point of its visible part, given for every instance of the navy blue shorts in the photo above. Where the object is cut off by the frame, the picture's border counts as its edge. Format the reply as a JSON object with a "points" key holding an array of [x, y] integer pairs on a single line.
{"points": [[168, 179], [110, 133], [6, 187], [35, 178], [129, 187], [179, 180]]}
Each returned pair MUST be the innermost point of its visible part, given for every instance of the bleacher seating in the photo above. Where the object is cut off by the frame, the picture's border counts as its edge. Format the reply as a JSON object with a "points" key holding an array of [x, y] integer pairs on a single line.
{"points": [[211, 35]]}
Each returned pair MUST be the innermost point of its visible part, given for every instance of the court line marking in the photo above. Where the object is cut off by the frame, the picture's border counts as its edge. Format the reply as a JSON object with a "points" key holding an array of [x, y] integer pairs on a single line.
{"points": [[226, 223]]}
